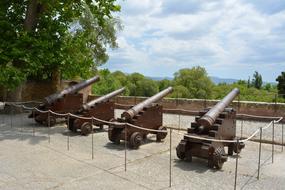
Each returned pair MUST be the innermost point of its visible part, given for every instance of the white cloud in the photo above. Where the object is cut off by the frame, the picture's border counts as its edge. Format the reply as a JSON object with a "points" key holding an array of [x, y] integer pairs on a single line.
{"points": [[219, 35]]}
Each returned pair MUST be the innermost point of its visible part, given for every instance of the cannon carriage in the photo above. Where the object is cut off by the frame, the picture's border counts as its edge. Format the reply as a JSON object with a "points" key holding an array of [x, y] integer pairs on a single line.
{"points": [[66, 101], [217, 123], [145, 115], [101, 108]]}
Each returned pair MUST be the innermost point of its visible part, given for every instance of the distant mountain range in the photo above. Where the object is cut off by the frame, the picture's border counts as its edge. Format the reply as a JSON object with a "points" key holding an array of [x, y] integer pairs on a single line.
{"points": [[218, 80], [215, 80]]}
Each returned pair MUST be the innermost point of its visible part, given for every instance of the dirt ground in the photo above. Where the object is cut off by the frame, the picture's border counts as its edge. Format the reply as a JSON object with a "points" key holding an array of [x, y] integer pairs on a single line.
{"points": [[36, 157]]}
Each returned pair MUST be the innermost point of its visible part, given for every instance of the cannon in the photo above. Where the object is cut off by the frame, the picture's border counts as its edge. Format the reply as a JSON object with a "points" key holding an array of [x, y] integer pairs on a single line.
{"points": [[147, 115], [101, 108], [218, 122], [66, 101]]}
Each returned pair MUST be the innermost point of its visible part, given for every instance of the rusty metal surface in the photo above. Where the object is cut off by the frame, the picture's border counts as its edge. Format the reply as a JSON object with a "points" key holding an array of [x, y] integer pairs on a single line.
{"points": [[137, 108], [223, 128], [100, 108], [103, 98], [209, 118], [70, 103], [70, 90], [103, 111], [149, 118]]}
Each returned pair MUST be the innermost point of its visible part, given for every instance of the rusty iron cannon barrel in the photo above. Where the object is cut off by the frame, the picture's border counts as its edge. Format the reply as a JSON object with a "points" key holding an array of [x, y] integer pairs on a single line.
{"points": [[209, 118], [137, 108], [71, 90], [103, 98]]}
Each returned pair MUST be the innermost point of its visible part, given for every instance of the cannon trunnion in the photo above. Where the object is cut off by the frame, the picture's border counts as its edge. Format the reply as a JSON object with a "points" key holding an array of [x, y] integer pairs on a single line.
{"points": [[222, 127], [146, 115]]}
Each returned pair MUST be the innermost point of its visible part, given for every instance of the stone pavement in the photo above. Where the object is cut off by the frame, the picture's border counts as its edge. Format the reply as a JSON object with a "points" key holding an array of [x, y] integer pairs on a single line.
{"points": [[31, 162]]}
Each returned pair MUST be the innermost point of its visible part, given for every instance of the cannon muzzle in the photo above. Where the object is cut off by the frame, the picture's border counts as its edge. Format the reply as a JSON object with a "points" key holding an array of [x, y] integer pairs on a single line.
{"points": [[71, 90], [209, 118], [137, 108], [103, 98]]}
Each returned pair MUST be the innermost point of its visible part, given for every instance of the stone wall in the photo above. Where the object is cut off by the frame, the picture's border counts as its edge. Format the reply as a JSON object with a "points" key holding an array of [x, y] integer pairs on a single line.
{"points": [[242, 107], [39, 90]]}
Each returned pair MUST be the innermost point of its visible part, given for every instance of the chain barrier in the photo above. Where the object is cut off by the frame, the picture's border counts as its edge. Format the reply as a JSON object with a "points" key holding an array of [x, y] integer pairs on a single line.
{"points": [[153, 130], [126, 125]]}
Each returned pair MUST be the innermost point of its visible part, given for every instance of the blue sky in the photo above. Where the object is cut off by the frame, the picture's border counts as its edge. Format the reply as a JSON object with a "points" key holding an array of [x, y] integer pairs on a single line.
{"points": [[230, 38]]}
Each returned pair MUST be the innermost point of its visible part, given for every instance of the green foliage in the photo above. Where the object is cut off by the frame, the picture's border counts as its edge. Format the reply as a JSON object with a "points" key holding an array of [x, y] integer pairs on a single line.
{"points": [[180, 92], [138, 85], [163, 84], [281, 84], [107, 83], [249, 94], [146, 87], [196, 81], [69, 36], [257, 80]]}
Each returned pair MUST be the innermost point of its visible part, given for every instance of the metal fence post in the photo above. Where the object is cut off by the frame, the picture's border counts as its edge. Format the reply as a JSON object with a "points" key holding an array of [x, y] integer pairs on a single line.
{"points": [[11, 117], [68, 132], [241, 129], [179, 121], [22, 124], [170, 155], [259, 152], [238, 103], [126, 148], [237, 154], [48, 126], [33, 111], [92, 138], [273, 140], [282, 137]]}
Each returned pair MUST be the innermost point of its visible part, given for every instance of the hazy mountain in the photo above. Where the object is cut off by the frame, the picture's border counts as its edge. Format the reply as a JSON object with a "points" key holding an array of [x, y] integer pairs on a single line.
{"points": [[218, 80], [215, 80]]}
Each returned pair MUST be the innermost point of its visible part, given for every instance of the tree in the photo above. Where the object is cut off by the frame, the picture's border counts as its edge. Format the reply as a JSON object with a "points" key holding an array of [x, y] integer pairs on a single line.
{"points": [[267, 87], [107, 83], [196, 81], [248, 83], [146, 87], [180, 92], [163, 84], [50, 39], [133, 80], [281, 84], [121, 77], [257, 80]]}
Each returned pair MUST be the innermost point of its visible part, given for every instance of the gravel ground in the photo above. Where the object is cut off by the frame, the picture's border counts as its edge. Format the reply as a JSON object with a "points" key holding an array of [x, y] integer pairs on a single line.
{"points": [[35, 157]]}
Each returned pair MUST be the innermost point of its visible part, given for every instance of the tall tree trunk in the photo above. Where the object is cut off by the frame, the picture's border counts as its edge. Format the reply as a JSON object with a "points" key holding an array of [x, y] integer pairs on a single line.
{"points": [[55, 80], [34, 9], [32, 14]]}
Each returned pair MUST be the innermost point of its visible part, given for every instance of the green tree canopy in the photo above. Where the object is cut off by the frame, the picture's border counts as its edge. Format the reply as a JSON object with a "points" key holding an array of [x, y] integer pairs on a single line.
{"points": [[281, 84], [257, 80], [163, 84], [43, 38], [107, 83], [196, 81], [146, 87], [180, 92]]}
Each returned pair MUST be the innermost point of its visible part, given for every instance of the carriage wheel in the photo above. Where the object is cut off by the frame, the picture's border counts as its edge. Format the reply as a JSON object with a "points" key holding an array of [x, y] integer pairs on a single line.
{"points": [[136, 140], [86, 128], [159, 135], [113, 135], [219, 158]]}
